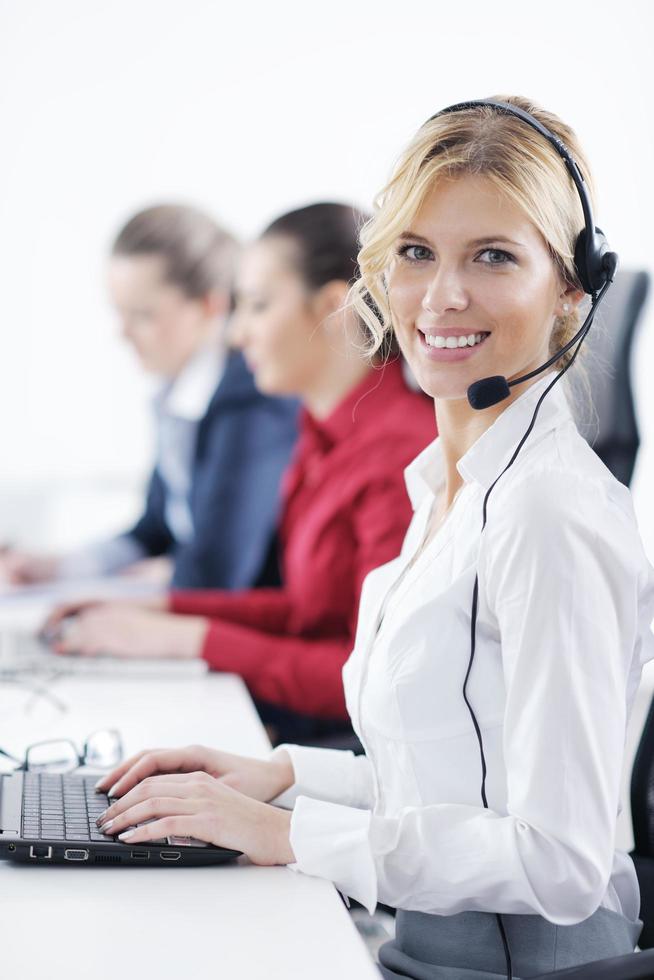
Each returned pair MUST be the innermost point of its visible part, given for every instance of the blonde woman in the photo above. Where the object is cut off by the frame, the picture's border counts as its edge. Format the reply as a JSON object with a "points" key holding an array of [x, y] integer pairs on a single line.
{"points": [[484, 809]]}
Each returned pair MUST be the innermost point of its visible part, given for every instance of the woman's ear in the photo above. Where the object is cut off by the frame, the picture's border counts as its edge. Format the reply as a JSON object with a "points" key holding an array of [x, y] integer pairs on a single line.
{"points": [[569, 299], [216, 303], [328, 301]]}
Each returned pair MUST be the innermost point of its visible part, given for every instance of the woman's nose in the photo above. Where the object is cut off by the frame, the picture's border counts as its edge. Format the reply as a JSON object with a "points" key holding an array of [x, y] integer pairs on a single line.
{"points": [[236, 331], [445, 291]]}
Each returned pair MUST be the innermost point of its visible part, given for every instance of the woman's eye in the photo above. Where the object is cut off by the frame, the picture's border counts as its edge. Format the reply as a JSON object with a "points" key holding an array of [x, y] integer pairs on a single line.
{"points": [[245, 303], [250, 305], [495, 256], [415, 253]]}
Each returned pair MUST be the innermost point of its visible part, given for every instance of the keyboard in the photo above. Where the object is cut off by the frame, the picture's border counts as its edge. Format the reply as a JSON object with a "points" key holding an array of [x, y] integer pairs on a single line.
{"points": [[26, 654], [62, 807]]}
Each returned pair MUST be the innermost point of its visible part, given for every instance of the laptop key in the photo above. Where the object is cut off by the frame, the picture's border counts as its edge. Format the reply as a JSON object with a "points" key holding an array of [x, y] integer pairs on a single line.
{"points": [[62, 808]]}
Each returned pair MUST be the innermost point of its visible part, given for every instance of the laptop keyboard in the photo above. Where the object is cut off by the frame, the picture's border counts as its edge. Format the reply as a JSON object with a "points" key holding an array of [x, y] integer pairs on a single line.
{"points": [[62, 807], [23, 653]]}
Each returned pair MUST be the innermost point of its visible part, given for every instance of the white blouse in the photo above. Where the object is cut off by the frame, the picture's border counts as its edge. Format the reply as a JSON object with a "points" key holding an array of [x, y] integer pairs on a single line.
{"points": [[566, 599]]}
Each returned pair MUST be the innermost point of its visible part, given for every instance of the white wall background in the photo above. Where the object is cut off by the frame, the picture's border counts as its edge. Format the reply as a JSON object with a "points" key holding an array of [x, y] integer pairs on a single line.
{"points": [[248, 110]]}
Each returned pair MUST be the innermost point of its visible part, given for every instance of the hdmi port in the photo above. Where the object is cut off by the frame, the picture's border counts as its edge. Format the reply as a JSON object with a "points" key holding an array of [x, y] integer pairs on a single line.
{"points": [[140, 855], [170, 855]]}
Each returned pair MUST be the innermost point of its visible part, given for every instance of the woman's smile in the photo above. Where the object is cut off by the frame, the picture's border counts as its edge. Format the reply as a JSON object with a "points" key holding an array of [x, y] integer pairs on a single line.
{"points": [[450, 345]]}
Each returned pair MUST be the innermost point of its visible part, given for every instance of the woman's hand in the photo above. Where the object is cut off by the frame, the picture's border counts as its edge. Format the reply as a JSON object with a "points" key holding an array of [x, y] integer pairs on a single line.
{"points": [[66, 610], [260, 779], [23, 568], [201, 806], [125, 630]]}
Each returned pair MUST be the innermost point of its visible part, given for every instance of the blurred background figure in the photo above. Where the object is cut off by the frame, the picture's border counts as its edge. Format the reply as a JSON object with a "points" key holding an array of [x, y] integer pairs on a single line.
{"points": [[345, 505], [212, 501]]}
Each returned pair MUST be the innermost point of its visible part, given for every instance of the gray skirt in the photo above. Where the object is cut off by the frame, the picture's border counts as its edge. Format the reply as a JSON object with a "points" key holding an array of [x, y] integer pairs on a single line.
{"points": [[468, 946]]}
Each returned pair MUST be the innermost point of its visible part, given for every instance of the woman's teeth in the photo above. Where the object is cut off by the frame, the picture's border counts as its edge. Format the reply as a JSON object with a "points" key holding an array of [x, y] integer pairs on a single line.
{"points": [[452, 342]]}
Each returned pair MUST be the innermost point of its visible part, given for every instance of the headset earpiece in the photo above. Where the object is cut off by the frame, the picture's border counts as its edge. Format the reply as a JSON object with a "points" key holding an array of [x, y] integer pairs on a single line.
{"points": [[595, 263]]}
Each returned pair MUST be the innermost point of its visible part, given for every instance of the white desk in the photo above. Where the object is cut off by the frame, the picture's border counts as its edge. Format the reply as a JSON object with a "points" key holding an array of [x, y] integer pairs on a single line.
{"points": [[236, 921]]}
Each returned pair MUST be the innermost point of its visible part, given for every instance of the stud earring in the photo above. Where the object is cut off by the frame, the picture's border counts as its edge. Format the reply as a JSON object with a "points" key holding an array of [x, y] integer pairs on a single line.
{"points": [[566, 307]]}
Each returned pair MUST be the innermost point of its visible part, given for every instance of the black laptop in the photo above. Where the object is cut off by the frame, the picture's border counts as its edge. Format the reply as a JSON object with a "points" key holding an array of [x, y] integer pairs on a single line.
{"points": [[50, 818]]}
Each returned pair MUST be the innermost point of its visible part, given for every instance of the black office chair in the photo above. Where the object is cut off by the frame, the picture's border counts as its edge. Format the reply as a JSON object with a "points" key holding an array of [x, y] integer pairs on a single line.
{"points": [[642, 817], [614, 435]]}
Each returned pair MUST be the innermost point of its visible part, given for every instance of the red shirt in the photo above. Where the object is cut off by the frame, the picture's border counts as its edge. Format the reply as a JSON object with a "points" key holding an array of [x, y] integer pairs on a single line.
{"points": [[345, 511]]}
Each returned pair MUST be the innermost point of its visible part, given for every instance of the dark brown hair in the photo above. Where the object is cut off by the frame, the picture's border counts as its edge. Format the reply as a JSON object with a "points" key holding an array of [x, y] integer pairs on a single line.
{"points": [[327, 236], [327, 243]]}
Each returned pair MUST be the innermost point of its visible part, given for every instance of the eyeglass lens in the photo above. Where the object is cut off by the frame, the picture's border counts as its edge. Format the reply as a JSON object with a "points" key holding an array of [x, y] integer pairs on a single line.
{"points": [[102, 749]]}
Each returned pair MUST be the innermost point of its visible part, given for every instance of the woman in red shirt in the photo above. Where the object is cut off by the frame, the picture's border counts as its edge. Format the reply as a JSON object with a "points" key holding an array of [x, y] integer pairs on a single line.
{"points": [[345, 509]]}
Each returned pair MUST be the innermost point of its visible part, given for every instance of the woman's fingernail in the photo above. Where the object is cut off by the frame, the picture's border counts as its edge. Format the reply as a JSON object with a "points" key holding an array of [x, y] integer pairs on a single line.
{"points": [[99, 783], [112, 790], [126, 833], [101, 817], [105, 826]]}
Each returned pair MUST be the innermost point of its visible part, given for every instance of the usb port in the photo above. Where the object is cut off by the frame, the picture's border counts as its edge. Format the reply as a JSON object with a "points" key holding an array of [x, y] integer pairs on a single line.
{"points": [[170, 855], [140, 855]]}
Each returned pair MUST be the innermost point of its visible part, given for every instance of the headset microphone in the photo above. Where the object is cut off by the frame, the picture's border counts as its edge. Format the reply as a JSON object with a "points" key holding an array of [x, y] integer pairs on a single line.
{"points": [[490, 391]]}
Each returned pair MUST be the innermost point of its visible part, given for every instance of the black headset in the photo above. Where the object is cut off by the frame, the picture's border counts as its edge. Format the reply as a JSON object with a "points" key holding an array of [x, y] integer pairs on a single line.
{"points": [[595, 265]]}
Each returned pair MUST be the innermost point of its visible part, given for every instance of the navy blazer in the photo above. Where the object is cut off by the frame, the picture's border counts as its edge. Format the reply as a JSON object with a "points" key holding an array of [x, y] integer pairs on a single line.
{"points": [[244, 443]]}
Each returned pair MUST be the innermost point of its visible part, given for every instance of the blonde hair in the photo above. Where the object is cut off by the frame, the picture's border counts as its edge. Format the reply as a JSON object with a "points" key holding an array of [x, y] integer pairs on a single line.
{"points": [[512, 155]]}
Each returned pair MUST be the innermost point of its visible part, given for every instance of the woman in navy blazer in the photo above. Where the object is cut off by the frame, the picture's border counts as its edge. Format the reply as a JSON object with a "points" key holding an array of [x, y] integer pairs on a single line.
{"points": [[213, 497], [242, 448]]}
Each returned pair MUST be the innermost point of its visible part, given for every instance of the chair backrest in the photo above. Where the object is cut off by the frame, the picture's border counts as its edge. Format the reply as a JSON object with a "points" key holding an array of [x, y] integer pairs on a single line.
{"points": [[642, 790], [615, 438]]}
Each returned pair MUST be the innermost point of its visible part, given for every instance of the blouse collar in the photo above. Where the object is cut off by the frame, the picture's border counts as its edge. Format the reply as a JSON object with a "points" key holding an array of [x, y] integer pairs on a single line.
{"points": [[189, 394], [488, 456]]}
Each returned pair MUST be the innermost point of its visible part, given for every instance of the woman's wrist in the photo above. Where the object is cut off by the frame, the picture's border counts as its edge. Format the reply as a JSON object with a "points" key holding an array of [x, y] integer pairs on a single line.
{"points": [[187, 636], [279, 826], [281, 761]]}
